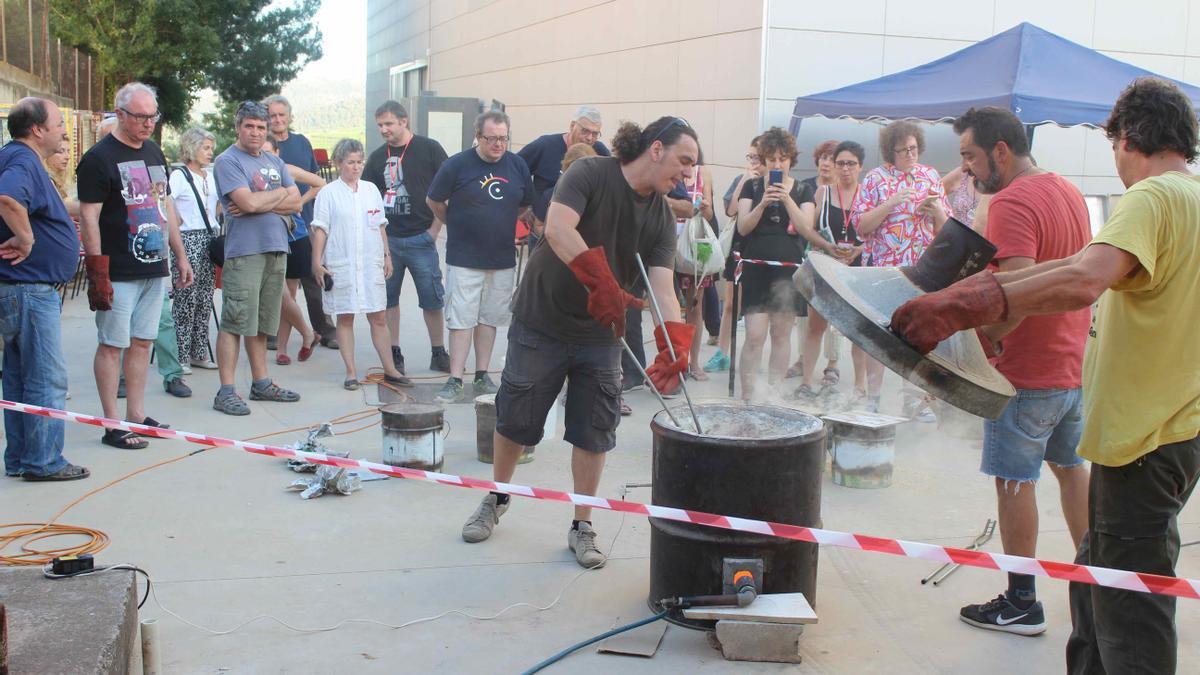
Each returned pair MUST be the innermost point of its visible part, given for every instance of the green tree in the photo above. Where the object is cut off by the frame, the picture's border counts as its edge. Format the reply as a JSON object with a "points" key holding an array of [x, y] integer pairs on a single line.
{"points": [[180, 46]]}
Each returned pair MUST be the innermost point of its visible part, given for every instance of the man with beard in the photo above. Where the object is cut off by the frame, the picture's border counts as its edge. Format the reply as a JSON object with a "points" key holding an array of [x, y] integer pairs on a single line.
{"points": [[1035, 216]]}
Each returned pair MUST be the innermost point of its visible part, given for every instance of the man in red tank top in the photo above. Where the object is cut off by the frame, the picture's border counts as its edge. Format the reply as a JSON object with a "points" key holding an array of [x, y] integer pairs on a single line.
{"points": [[1035, 216]]}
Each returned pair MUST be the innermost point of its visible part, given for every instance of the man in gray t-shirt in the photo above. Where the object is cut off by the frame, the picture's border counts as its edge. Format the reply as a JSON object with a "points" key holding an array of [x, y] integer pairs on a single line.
{"points": [[259, 198]]}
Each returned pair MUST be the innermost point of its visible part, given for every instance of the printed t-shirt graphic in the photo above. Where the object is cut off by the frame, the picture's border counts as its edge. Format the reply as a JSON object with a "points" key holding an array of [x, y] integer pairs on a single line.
{"points": [[396, 200], [144, 191]]}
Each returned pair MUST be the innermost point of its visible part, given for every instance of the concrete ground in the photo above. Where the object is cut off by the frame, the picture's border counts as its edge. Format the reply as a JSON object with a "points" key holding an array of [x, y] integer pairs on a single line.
{"points": [[225, 543]]}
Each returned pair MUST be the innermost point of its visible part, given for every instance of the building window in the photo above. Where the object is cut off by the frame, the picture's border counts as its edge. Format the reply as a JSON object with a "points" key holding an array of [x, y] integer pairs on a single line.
{"points": [[408, 79]]}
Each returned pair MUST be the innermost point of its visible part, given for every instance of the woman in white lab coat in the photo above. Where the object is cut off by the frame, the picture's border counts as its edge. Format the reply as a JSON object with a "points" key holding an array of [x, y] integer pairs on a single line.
{"points": [[351, 259]]}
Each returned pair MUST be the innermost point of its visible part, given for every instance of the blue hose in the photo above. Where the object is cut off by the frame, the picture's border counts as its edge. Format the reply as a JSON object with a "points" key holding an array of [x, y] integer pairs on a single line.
{"points": [[580, 645]]}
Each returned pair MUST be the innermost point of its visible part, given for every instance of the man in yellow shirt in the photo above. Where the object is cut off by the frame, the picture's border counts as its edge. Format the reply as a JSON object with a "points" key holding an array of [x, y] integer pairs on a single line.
{"points": [[1141, 416]]}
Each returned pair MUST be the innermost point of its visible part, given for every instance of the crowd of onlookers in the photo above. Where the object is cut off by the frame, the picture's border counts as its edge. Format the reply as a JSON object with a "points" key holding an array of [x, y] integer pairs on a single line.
{"points": [[260, 222]]}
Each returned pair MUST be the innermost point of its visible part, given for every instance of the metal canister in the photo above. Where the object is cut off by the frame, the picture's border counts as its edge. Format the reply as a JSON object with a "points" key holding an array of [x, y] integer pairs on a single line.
{"points": [[863, 446], [485, 428], [754, 461], [412, 435]]}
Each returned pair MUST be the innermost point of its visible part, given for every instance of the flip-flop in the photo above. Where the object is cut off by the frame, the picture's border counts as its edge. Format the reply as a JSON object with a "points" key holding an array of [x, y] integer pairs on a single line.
{"points": [[151, 422], [119, 438]]}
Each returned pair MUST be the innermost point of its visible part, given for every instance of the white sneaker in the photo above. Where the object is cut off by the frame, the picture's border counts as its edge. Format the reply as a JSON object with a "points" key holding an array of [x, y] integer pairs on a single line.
{"points": [[203, 363], [583, 542], [186, 370]]}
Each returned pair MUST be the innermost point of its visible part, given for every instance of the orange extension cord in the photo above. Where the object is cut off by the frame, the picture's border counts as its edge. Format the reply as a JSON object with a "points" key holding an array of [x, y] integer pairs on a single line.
{"points": [[26, 534]]}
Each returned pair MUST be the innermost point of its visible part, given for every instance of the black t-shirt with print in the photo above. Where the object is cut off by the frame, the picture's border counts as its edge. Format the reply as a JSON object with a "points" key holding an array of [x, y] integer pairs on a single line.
{"points": [[550, 299], [131, 185], [408, 215], [770, 240]]}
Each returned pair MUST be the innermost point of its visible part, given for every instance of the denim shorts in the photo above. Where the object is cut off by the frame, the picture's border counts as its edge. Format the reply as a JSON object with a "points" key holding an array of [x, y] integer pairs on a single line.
{"points": [[1038, 425], [136, 306], [419, 256], [534, 370]]}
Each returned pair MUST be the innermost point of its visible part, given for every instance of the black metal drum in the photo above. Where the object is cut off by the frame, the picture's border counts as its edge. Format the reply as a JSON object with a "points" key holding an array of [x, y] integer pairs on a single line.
{"points": [[754, 461]]}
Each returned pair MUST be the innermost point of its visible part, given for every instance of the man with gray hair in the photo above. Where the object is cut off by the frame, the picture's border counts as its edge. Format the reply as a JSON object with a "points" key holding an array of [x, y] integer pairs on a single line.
{"points": [[544, 156], [127, 221], [295, 149], [259, 198], [479, 193], [38, 250]]}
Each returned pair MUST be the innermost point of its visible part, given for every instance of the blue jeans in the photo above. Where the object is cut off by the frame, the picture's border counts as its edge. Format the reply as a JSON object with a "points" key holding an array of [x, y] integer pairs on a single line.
{"points": [[34, 373], [418, 255]]}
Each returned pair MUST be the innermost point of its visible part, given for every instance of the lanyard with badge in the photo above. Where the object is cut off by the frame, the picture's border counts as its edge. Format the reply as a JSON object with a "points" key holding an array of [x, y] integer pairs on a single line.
{"points": [[396, 174]]}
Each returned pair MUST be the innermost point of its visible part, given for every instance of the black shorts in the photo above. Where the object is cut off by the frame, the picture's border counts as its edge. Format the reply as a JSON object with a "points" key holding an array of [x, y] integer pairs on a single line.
{"points": [[299, 259], [534, 370], [770, 290]]}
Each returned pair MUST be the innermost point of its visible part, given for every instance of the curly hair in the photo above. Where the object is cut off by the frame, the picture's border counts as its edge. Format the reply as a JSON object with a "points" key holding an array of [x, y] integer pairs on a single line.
{"points": [[1153, 115], [897, 132], [631, 140], [777, 141], [826, 148]]}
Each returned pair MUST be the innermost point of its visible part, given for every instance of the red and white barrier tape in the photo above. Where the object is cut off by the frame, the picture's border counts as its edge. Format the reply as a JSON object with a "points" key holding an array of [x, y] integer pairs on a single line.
{"points": [[1099, 576], [738, 259]]}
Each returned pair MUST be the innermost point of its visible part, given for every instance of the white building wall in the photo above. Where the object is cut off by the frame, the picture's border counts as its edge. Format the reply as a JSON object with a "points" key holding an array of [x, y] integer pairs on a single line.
{"points": [[816, 46]]}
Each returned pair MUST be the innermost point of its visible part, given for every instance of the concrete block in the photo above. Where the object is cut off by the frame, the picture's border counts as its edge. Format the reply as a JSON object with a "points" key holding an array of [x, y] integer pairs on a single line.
{"points": [[759, 641], [81, 625]]}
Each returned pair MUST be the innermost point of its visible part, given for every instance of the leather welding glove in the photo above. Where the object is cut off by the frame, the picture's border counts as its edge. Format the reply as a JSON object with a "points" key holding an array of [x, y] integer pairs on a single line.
{"points": [[975, 301], [665, 372], [100, 290], [606, 299]]}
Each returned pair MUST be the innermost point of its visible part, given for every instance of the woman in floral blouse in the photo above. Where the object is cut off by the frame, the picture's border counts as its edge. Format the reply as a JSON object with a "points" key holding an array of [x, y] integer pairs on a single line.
{"points": [[899, 209]]}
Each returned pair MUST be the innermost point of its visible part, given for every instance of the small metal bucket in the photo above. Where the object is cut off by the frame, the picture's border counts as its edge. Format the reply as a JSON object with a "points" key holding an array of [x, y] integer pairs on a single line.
{"points": [[412, 435], [485, 428], [863, 446]]}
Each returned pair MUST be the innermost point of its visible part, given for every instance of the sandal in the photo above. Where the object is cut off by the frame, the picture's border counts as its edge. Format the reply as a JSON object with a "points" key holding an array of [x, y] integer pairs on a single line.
{"points": [[119, 438], [626, 410], [697, 374], [805, 393], [68, 472], [831, 377], [796, 370], [231, 404], [273, 392], [350, 385], [283, 360], [151, 422]]}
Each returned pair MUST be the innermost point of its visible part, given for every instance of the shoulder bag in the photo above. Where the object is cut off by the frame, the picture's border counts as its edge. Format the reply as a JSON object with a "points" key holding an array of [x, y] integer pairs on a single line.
{"points": [[216, 245]]}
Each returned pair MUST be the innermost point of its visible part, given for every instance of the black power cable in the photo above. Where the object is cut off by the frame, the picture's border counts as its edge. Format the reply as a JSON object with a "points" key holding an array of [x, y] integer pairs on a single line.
{"points": [[97, 570]]}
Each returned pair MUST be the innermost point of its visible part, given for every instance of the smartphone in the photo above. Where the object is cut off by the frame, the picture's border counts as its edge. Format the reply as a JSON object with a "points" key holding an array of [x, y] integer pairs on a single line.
{"points": [[329, 282], [776, 177]]}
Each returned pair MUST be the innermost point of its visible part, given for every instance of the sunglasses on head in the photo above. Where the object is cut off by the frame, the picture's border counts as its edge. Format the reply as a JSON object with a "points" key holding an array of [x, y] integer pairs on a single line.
{"points": [[675, 121]]}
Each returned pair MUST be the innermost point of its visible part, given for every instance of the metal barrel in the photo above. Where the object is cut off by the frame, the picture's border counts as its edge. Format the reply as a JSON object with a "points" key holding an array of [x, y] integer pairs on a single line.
{"points": [[485, 429], [412, 435], [755, 461]]}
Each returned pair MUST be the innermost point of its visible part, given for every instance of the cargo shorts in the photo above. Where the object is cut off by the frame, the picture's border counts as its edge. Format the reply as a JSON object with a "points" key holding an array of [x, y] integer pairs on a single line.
{"points": [[535, 368]]}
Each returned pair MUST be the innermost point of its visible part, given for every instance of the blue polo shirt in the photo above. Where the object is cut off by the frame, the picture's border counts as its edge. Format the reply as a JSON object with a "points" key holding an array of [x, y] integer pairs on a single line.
{"points": [[298, 151], [55, 254]]}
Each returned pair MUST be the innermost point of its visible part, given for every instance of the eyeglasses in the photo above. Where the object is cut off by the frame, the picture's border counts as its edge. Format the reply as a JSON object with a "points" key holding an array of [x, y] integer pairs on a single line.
{"points": [[754, 158], [846, 164], [910, 150], [678, 120], [493, 140], [142, 119], [590, 134]]}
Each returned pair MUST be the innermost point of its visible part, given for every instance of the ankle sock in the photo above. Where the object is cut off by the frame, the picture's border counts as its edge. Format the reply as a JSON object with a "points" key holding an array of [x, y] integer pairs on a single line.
{"points": [[261, 384], [480, 374], [1021, 590], [501, 498], [575, 523], [226, 390]]}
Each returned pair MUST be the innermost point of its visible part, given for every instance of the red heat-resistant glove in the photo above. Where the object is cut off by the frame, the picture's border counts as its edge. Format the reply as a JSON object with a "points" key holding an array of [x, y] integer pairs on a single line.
{"points": [[607, 301], [100, 290], [664, 372], [975, 301]]}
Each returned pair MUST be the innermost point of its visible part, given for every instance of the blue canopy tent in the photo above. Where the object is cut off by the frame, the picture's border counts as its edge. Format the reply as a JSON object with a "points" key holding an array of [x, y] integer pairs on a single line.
{"points": [[1042, 77]]}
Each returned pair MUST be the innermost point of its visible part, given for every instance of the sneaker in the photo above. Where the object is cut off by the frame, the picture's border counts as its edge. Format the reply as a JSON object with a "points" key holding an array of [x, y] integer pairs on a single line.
{"points": [[484, 520], [582, 541], [452, 391], [484, 385], [177, 388], [632, 385], [185, 369], [439, 361], [718, 362], [398, 359], [1000, 614], [273, 392], [271, 343], [329, 342], [204, 363]]}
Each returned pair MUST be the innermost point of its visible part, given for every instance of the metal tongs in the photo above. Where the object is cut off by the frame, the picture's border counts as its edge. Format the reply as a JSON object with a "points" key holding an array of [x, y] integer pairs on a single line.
{"points": [[939, 575]]}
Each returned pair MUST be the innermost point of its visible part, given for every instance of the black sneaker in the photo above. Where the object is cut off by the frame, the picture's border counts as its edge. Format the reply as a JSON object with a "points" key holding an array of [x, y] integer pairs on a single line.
{"points": [[439, 361], [632, 385], [1001, 614], [398, 359]]}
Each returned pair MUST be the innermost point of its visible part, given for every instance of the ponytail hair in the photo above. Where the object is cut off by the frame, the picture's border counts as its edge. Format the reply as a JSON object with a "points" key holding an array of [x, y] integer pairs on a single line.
{"points": [[631, 140]]}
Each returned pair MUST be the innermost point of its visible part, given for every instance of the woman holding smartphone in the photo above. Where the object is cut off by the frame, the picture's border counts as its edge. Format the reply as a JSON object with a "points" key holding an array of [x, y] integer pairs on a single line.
{"points": [[899, 209], [775, 215]]}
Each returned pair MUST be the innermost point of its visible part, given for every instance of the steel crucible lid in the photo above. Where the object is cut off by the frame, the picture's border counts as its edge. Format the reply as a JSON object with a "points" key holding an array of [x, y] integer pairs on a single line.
{"points": [[860, 301]]}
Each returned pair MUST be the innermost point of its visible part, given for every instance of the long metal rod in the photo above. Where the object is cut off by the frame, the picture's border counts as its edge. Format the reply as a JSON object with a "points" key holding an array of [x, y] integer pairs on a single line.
{"points": [[939, 575], [734, 316], [650, 383], [670, 348]]}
